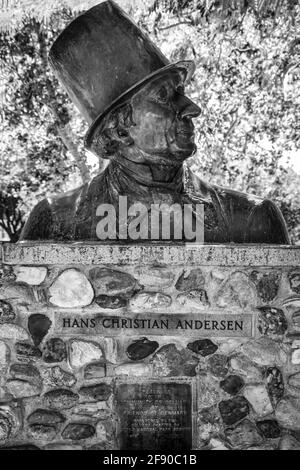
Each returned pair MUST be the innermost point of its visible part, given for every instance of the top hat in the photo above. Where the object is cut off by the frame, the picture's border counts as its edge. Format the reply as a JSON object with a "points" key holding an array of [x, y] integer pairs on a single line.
{"points": [[102, 58]]}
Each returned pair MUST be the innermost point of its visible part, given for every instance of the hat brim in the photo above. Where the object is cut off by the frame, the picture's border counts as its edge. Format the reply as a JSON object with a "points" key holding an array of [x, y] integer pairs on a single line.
{"points": [[187, 66]]}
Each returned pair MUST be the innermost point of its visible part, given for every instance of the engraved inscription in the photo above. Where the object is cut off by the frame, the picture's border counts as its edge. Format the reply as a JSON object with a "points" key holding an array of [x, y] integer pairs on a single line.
{"points": [[187, 324], [155, 416]]}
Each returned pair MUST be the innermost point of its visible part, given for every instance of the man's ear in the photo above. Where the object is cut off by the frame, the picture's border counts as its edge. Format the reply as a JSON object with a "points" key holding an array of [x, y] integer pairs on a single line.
{"points": [[114, 132], [125, 115], [102, 143]]}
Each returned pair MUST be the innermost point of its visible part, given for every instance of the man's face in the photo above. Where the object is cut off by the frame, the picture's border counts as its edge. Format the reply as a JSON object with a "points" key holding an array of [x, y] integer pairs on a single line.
{"points": [[163, 119]]}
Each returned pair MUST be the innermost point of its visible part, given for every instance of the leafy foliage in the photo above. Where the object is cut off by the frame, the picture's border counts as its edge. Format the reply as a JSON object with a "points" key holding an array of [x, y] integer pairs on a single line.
{"points": [[10, 214], [39, 148], [247, 54]]}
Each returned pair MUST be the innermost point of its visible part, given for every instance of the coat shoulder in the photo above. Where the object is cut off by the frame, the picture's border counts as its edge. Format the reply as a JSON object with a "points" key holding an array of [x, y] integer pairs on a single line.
{"points": [[257, 220], [51, 216], [239, 217]]}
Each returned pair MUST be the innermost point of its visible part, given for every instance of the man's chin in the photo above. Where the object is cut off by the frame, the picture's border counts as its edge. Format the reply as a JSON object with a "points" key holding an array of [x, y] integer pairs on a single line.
{"points": [[183, 151], [174, 158]]}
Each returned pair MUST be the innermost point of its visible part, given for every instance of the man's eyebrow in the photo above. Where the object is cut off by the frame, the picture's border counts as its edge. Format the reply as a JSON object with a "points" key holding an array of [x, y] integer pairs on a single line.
{"points": [[169, 82]]}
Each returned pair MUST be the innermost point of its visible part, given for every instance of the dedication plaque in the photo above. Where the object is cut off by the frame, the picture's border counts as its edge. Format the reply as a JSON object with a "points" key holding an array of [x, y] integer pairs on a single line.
{"points": [[155, 416]]}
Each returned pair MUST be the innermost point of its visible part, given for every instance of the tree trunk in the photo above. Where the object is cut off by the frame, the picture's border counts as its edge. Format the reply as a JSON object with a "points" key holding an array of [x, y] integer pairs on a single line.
{"points": [[68, 139]]}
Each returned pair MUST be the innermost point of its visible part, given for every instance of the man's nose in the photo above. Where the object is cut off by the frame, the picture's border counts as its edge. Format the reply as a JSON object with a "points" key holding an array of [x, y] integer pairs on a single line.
{"points": [[186, 107]]}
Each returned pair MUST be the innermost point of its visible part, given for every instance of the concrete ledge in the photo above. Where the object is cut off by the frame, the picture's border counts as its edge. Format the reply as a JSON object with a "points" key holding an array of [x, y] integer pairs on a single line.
{"points": [[99, 253]]}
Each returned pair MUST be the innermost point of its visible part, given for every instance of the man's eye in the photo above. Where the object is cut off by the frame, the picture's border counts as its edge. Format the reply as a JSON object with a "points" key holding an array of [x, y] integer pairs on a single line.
{"points": [[162, 95]]}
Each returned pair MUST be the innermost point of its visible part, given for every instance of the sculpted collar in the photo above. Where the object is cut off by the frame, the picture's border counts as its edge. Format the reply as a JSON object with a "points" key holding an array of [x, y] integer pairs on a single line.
{"points": [[133, 175]]}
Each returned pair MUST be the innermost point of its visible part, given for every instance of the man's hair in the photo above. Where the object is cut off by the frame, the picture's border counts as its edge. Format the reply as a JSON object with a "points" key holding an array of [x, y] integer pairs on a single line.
{"points": [[114, 132]]}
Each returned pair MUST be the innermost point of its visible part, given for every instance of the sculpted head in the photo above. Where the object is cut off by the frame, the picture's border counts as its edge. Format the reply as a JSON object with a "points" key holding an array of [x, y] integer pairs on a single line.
{"points": [[154, 126]]}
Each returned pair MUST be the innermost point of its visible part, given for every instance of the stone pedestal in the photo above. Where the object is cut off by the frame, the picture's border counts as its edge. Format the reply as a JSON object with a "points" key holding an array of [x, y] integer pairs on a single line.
{"points": [[111, 346]]}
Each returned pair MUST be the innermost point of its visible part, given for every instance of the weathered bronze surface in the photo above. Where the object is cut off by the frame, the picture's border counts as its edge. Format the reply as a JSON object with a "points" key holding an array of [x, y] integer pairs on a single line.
{"points": [[141, 120], [155, 416]]}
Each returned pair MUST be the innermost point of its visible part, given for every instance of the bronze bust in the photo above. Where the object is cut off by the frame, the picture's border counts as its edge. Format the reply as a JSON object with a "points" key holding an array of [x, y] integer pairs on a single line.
{"points": [[141, 120]]}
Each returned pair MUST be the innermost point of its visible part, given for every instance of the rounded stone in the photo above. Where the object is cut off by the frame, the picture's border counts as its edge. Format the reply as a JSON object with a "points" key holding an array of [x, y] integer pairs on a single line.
{"points": [[22, 388], [94, 371], [108, 281], [7, 273], [243, 435], [216, 444], [42, 431], [78, 431], [13, 332], [82, 353], [209, 395], [111, 302], [288, 442], [96, 410], [151, 276], [218, 365], [295, 357], [194, 299], [5, 428], [265, 351], [294, 381], [229, 346], [170, 361], [294, 278], [20, 293], [4, 354], [10, 420], [32, 275], [7, 315], [234, 410], [54, 351], [243, 366], [287, 413], [296, 319], [232, 384], [258, 397], [27, 351], [141, 348], [71, 289], [96, 392], [46, 417], [271, 321], [204, 347], [25, 372], [190, 280], [150, 301], [111, 347], [138, 369], [4, 396], [209, 424], [238, 291], [38, 326], [104, 430], [58, 377], [60, 399], [267, 284], [269, 428]]}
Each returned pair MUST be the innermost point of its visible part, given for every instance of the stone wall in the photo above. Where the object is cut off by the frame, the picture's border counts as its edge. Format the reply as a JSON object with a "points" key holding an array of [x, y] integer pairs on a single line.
{"points": [[80, 321]]}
